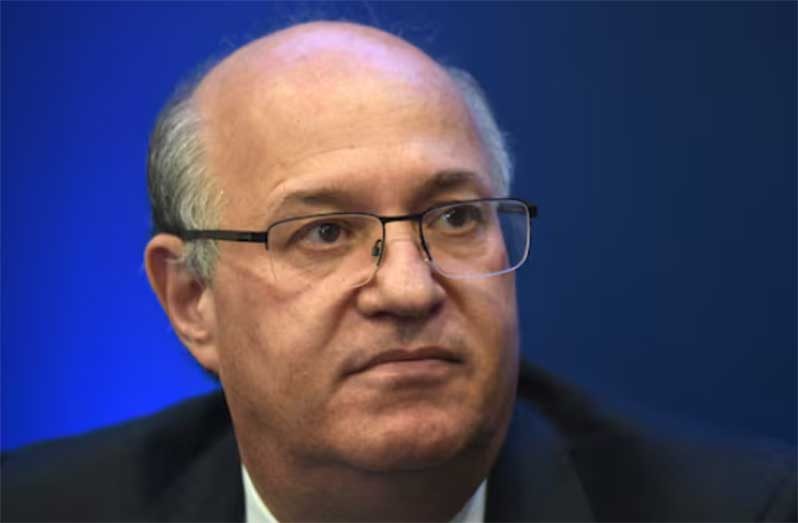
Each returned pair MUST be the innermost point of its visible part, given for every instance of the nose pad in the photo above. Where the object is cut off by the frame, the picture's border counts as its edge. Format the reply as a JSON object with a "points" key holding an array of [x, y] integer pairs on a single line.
{"points": [[376, 250], [425, 251]]}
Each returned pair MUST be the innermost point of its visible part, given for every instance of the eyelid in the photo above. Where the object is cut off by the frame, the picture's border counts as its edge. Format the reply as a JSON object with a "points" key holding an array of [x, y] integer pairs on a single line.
{"points": [[436, 212], [306, 230], [463, 195], [320, 215], [313, 221], [449, 202], [435, 205], [346, 223]]}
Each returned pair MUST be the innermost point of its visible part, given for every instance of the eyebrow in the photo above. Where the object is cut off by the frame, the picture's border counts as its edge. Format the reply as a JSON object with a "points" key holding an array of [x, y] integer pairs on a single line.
{"points": [[320, 197], [448, 180], [442, 182]]}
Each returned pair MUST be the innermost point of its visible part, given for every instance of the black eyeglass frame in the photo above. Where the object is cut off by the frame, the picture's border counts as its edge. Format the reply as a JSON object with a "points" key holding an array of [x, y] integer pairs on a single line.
{"points": [[263, 236]]}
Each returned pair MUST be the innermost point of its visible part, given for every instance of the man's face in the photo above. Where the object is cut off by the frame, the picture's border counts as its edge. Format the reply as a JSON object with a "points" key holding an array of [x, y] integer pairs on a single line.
{"points": [[383, 135]]}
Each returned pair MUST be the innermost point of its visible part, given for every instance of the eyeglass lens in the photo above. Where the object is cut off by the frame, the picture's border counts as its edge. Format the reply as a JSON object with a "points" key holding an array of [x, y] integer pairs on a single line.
{"points": [[466, 240]]}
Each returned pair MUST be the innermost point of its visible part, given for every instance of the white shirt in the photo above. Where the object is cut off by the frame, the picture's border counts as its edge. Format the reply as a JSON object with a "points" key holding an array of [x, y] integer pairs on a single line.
{"points": [[258, 512]]}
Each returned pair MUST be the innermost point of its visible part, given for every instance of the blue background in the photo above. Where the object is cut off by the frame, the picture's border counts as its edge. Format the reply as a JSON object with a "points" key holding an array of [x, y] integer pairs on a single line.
{"points": [[658, 139]]}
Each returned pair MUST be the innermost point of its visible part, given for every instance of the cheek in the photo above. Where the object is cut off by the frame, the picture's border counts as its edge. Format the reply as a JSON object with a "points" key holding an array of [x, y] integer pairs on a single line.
{"points": [[489, 304], [271, 344], [490, 310]]}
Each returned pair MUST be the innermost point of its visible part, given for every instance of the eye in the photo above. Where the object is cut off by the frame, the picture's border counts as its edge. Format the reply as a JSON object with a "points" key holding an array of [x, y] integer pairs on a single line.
{"points": [[328, 234], [461, 216], [322, 232]]}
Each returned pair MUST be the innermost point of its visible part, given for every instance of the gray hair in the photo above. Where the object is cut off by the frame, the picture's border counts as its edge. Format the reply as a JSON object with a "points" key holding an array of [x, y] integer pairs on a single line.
{"points": [[183, 196], [493, 139]]}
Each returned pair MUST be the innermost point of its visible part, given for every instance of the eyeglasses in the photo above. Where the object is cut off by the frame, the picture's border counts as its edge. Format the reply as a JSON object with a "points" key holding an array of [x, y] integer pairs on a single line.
{"points": [[460, 240]]}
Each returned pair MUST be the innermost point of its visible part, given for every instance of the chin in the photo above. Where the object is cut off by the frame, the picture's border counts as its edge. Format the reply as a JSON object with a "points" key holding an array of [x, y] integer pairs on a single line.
{"points": [[413, 441]]}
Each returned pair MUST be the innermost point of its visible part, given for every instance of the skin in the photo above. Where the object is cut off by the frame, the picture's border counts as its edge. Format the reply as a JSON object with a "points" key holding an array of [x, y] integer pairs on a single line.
{"points": [[345, 111]]}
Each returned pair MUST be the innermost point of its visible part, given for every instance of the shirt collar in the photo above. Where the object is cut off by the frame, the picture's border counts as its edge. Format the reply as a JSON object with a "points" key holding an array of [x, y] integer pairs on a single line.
{"points": [[256, 510]]}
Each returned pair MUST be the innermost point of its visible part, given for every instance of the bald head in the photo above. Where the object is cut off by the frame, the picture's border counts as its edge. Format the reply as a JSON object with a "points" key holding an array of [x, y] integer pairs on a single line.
{"points": [[273, 95], [319, 51], [285, 87]]}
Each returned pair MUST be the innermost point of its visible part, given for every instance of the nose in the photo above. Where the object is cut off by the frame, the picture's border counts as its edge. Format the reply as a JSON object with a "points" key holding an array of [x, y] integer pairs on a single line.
{"points": [[404, 284]]}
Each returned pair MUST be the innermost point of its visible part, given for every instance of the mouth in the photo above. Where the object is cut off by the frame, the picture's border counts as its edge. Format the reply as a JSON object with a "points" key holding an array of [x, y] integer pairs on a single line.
{"points": [[425, 361]]}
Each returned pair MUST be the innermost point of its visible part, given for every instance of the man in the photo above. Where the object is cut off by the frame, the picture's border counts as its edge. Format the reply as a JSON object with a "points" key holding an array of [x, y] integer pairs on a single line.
{"points": [[335, 243]]}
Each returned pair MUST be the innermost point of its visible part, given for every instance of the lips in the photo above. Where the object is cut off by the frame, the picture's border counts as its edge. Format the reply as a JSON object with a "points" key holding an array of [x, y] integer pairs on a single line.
{"points": [[405, 355]]}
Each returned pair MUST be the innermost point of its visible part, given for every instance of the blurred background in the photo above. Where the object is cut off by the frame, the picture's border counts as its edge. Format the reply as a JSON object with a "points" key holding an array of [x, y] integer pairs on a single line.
{"points": [[658, 139]]}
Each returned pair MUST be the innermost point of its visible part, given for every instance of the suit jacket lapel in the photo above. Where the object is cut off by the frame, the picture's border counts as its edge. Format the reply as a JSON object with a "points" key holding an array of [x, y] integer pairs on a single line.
{"points": [[534, 478], [210, 490]]}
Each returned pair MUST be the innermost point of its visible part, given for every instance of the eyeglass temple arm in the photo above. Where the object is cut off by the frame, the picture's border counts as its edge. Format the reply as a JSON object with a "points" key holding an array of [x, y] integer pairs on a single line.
{"points": [[235, 236]]}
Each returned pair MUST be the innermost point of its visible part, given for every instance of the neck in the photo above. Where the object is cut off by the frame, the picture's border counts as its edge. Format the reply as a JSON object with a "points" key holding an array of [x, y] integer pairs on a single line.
{"points": [[296, 491]]}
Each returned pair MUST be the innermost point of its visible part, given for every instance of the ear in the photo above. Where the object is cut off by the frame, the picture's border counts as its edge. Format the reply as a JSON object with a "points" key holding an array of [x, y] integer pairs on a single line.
{"points": [[187, 301]]}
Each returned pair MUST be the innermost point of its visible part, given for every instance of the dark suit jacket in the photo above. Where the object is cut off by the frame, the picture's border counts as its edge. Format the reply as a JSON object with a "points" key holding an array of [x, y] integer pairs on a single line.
{"points": [[563, 461]]}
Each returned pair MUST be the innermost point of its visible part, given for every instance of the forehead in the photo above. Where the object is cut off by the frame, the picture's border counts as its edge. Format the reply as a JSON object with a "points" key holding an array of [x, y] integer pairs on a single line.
{"points": [[333, 111]]}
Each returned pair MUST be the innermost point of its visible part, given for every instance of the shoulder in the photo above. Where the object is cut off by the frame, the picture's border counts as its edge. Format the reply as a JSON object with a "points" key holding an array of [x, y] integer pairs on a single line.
{"points": [[664, 472], [125, 472], [655, 470]]}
